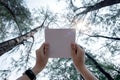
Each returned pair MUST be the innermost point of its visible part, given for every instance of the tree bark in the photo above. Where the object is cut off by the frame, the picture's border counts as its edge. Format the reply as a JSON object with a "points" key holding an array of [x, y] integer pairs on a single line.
{"points": [[12, 14], [107, 75], [7, 7], [99, 5], [113, 38], [10, 44]]}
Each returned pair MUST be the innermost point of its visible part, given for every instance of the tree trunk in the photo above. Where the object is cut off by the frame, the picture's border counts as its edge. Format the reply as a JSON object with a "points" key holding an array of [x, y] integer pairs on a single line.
{"points": [[107, 75], [7, 7], [99, 5], [10, 44], [12, 14]]}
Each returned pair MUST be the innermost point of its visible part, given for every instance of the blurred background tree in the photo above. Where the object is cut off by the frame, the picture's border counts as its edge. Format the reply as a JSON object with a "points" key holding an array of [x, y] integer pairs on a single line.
{"points": [[14, 15]]}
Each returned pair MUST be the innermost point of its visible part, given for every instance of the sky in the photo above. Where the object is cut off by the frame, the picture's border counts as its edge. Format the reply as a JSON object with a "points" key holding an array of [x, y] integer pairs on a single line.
{"points": [[53, 5]]}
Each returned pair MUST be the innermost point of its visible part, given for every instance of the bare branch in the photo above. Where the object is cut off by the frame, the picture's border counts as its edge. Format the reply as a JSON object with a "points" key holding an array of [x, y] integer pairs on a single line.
{"points": [[113, 38], [29, 51]]}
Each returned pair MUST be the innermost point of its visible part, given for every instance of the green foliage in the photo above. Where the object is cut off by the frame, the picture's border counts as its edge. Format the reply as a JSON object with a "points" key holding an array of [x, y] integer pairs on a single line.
{"points": [[14, 15], [117, 77], [15, 18], [62, 69]]}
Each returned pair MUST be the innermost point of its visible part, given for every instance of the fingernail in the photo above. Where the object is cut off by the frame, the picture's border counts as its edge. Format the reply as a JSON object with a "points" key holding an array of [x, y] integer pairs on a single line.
{"points": [[73, 46]]}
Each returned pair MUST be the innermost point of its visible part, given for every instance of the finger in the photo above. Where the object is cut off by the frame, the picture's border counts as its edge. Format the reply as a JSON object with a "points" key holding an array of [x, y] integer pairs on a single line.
{"points": [[73, 46], [80, 49], [46, 49], [76, 49], [42, 47], [72, 49]]}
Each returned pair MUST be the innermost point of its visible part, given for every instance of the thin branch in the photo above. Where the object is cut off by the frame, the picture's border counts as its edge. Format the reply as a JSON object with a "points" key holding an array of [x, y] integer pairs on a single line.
{"points": [[49, 23], [113, 38], [29, 51], [74, 7], [101, 36]]}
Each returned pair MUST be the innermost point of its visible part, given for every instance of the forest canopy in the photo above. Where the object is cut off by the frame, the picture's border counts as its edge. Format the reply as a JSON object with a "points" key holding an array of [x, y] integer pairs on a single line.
{"points": [[97, 24]]}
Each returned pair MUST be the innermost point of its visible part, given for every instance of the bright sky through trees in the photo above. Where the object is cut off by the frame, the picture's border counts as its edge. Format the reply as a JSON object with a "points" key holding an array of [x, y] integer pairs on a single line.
{"points": [[104, 21], [53, 5], [58, 7]]}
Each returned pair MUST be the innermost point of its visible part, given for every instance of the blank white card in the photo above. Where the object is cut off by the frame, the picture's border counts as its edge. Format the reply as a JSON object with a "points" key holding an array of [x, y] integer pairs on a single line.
{"points": [[59, 41]]}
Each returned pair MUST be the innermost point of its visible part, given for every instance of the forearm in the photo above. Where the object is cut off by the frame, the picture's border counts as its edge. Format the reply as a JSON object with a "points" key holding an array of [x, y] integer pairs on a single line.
{"points": [[87, 75], [25, 77]]}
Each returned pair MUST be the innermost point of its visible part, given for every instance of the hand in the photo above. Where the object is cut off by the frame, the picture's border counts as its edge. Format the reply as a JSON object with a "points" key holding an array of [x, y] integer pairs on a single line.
{"points": [[41, 61], [41, 58], [78, 56]]}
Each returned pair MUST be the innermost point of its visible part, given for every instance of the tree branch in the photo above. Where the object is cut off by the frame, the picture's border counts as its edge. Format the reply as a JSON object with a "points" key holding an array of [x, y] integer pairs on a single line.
{"points": [[6, 6], [109, 77], [12, 14], [10, 44], [28, 52], [99, 5], [113, 38]]}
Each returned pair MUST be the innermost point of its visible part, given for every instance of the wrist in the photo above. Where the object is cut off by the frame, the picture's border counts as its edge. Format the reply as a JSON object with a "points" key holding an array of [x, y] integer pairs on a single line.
{"points": [[36, 70], [29, 74], [82, 67]]}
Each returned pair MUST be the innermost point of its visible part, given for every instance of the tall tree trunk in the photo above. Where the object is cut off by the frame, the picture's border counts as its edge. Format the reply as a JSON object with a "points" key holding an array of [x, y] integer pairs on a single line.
{"points": [[11, 13], [98, 6], [107, 75], [8, 8], [10, 44]]}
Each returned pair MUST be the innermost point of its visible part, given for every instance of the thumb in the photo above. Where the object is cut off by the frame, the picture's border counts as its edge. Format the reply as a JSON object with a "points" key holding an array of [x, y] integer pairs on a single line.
{"points": [[46, 49], [72, 49]]}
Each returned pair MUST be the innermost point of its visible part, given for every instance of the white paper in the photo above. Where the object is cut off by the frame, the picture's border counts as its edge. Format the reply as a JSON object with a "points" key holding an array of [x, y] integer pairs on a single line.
{"points": [[59, 41]]}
